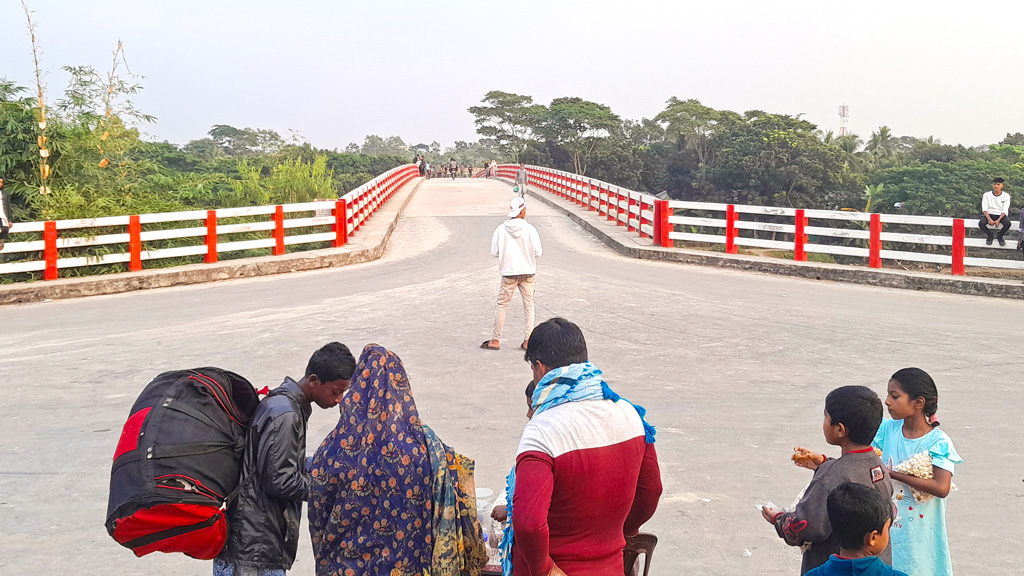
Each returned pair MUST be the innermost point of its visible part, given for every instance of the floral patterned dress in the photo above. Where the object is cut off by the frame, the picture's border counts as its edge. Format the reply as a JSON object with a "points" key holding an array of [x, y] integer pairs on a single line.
{"points": [[385, 499]]}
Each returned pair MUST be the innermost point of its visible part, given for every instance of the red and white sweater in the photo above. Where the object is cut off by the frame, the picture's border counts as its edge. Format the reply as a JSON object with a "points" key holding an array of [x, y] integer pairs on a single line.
{"points": [[585, 478]]}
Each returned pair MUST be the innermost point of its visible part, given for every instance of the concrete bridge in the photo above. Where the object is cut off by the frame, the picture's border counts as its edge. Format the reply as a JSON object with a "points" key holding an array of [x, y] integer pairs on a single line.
{"points": [[733, 367]]}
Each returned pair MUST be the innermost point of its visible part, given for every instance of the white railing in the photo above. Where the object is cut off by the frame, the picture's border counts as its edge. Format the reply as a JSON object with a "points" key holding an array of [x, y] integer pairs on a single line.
{"points": [[736, 225], [344, 216]]}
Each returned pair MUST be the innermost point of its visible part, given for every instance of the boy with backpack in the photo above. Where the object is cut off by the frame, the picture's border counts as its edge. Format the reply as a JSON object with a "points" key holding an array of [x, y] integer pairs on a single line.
{"points": [[263, 521], [852, 417]]}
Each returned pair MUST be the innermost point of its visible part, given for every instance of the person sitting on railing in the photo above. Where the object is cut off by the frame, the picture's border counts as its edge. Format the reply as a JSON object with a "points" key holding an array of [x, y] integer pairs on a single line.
{"points": [[995, 211], [5, 215]]}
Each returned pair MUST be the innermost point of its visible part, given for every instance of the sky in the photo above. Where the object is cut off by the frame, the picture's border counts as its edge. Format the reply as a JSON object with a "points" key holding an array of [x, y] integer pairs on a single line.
{"points": [[335, 71]]}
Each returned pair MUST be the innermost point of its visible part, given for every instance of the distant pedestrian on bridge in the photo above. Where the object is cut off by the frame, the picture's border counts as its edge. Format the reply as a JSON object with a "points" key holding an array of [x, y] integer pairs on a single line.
{"points": [[521, 179], [995, 211], [516, 245], [5, 215]]}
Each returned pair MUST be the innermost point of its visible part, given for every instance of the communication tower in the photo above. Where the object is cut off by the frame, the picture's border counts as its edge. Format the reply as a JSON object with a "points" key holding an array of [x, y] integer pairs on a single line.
{"points": [[844, 117]]}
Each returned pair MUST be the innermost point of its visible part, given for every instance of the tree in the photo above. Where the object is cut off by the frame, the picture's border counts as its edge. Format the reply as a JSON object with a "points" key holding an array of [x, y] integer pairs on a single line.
{"points": [[694, 126], [577, 125], [509, 119], [17, 137], [245, 141], [881, 145]]}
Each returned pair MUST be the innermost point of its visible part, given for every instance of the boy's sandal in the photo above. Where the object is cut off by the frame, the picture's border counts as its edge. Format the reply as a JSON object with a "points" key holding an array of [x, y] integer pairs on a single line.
{"points": [[486, 345]]}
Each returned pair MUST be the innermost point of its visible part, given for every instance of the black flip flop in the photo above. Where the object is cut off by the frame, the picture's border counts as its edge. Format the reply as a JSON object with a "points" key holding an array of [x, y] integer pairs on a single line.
{"points": [[486, 346]]}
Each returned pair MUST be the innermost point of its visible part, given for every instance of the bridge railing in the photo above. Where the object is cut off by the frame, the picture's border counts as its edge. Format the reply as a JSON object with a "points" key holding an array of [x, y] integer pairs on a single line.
{"points": [[876, 237], [134, 245]]}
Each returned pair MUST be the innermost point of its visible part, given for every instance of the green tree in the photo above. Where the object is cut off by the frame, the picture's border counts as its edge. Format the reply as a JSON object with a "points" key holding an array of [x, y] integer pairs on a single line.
{"points": [[577, 126], [695, 126], [509, 119]]}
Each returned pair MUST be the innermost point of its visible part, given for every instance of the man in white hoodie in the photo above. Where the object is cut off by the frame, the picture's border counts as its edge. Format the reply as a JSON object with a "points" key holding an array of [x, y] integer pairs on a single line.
{"points": [[516, 245]]}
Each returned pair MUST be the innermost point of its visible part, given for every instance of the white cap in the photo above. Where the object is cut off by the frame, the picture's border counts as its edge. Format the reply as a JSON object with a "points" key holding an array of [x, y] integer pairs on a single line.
{"points": [[516, 206]]}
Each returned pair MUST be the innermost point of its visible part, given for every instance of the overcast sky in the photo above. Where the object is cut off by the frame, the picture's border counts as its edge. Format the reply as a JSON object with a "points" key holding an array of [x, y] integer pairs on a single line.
{"points": [[337, 70]]}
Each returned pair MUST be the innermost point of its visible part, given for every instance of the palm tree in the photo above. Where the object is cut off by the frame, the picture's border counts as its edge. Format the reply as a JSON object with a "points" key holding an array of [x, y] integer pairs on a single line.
{"points": [[882, 144]]}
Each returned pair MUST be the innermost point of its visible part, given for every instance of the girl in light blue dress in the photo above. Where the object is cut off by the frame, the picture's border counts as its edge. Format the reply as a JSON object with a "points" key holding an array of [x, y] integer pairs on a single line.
{"points": [[919, 545]]}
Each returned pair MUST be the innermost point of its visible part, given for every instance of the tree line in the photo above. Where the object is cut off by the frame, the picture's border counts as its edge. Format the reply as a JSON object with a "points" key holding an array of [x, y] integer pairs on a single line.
{"points": [[690, 151]]}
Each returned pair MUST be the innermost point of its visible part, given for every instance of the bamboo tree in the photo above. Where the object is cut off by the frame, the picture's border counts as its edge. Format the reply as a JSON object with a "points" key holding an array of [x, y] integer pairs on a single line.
{"points": [[44, 152]]}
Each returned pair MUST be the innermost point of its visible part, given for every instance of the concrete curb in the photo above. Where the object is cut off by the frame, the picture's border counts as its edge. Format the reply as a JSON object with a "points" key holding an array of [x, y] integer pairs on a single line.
{"points": [[629, 244], [355, 252]]}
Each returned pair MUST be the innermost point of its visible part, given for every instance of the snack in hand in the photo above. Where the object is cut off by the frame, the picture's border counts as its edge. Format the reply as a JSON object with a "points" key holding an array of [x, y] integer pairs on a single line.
{"points": [[920, 466]]}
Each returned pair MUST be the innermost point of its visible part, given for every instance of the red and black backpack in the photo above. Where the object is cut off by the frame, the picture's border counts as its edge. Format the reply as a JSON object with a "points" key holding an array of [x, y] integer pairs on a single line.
{"points": [[177, 463]]}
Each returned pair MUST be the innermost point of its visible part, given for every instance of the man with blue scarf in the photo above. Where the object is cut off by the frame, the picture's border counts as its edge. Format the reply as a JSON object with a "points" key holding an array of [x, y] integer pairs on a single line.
{"points": [[586, 473]]}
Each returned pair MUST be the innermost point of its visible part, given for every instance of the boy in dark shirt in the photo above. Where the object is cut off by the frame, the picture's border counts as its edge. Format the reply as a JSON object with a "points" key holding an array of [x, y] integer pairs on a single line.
{"points": [[860, 518], [852, 416]]}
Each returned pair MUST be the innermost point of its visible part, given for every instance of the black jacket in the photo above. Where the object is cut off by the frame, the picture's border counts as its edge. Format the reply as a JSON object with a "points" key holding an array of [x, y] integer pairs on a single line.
{"points": [[263, 520]]}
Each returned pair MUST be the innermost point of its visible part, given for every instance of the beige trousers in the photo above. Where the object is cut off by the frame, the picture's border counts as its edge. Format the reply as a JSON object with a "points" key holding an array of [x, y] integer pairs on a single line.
{"points": [[508, 289]]}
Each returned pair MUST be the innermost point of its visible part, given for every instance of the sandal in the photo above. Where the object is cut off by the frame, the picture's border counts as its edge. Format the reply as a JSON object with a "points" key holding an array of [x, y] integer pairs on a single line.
{"points": [[486, 345]]}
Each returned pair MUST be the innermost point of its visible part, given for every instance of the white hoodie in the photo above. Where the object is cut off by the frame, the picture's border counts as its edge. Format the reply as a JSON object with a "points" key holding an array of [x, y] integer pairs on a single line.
{"points": [[516, 245]]}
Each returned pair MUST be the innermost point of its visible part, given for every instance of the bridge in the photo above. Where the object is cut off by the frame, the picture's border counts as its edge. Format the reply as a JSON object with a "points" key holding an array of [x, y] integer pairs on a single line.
{"points": [[732, 365]]}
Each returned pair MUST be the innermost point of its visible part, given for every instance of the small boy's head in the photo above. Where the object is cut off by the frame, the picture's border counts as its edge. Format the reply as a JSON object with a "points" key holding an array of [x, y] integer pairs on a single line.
{"points": [[854, 413], [860, 517]]}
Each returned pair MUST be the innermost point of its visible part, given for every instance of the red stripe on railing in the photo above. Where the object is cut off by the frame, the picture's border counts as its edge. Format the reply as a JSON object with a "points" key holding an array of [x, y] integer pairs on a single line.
{"points": [[799, 238], [211, 237], [959, 251], [875, 244], [134, 244], [730, 230], [50, 250], [278, 249]]}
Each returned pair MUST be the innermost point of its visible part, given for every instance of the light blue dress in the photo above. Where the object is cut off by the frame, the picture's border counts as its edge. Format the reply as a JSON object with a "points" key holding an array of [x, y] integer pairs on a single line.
{"points": [[919, 545]]}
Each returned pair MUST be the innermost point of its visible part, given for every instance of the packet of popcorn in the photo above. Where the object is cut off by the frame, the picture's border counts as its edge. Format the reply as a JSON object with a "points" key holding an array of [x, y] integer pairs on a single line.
{"points": [[919, 465]]}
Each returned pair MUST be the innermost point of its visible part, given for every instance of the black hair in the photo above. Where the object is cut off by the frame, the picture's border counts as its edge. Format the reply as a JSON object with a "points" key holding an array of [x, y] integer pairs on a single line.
{"points": [[916, 383], [529, 391], [858, 408], [556, 342], [332, 362], [856, 510], [998, 181]]}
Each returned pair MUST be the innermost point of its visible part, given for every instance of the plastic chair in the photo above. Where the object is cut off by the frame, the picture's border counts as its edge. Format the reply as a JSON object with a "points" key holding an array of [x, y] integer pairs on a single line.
{"points": [[642, 543]]}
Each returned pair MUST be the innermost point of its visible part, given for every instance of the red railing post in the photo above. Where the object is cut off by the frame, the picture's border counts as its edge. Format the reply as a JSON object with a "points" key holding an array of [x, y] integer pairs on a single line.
{"points": [[602, 200], [875, 244], [730, 230], [612, 203], [640, 218], [662, 227], [340, 224], [134, 244], [50, 250], [958, 247], [799, 238], [590, 195], [629, 214], [211, 237], [278, 249]]}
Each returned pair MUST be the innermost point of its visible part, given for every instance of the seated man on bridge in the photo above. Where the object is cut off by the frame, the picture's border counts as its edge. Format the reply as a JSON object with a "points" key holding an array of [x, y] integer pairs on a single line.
{"points": [[995, 211]]}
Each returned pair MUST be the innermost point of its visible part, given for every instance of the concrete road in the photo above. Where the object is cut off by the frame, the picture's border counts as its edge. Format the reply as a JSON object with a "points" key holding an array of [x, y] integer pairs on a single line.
{"points": [[733, 368]]}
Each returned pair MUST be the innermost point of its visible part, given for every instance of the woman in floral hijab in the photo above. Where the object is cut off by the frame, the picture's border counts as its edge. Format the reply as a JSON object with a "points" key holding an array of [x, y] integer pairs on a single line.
{"points": [[388, 497]]}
